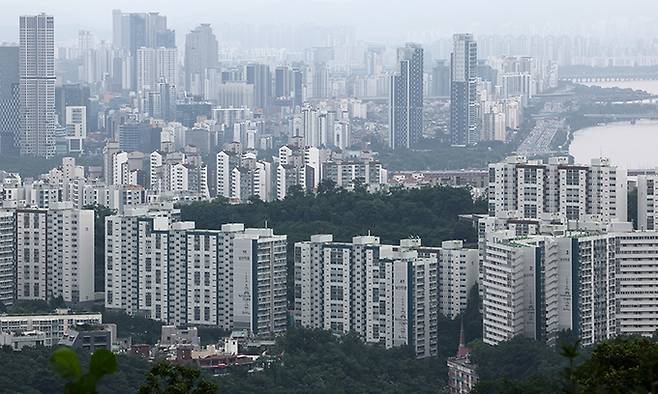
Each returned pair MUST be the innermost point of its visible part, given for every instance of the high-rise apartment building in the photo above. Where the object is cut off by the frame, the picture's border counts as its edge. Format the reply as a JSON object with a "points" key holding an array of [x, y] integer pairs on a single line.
{"points": [[37, 85], [538, 285], [464, 103], [171, 272], [55, 253], [155, 65], [7, 256], [646, 202], [406, 99], [388, 294], [533, 188], [9, 99]]}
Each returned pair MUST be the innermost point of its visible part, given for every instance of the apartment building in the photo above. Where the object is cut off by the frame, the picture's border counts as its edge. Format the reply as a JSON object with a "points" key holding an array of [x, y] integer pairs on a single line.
{"points": [[55, 253], [533, 188]]}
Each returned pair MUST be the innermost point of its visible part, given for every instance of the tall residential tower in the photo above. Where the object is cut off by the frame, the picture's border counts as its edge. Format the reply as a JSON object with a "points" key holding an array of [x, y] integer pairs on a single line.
{"points": [[406, 99], [464, 128], [37, 85]]}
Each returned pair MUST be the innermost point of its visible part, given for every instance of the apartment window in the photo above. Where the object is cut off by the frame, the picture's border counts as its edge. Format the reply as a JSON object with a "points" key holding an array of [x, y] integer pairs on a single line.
{"points": [[36, 221], [206, 313], [26, 290], [197, 313]]}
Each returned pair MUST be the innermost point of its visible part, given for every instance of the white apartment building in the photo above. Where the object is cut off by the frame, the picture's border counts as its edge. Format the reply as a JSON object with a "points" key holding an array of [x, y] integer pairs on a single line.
{"points": [[297, 167], [538, 285], [637, 283], [76, 128], [533, 188], [122, 255], [646, 202], [55, 253], [172, 272], [7, 256], [242, 176], [387, 294], [458, 273], [259, 282], [409, 288], [54, 326]]}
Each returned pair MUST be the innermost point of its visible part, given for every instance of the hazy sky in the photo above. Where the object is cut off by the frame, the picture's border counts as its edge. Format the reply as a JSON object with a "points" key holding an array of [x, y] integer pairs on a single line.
{"points": [[370, 17]]}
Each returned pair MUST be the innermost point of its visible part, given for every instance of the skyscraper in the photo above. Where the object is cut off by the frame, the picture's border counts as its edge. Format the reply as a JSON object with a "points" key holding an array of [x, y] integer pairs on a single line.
{"points": [[37, 85], [464, 128], [132, 31], [406, 99], [260, 76], [9, 120], [201, 52]]}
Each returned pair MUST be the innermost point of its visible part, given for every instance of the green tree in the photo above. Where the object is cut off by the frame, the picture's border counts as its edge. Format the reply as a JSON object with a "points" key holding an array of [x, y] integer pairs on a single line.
{"points": [[165, 378], [621, 365]]}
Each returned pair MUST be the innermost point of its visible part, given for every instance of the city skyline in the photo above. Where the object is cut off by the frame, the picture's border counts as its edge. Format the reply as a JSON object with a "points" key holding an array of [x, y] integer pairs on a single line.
{"points": [[422, 20]]}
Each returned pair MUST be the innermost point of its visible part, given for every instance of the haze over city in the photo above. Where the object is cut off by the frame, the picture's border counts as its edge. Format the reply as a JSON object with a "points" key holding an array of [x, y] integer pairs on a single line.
{"points": [[350, 196]]}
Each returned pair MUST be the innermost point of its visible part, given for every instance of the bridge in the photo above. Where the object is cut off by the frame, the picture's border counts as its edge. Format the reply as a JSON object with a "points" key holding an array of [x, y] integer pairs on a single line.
{"points": [[590, 79], [585, 74], [620, 117]]}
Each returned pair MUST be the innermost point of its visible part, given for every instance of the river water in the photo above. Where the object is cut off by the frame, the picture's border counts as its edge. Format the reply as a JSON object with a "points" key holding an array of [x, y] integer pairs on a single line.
{"points": [[627, 145]]}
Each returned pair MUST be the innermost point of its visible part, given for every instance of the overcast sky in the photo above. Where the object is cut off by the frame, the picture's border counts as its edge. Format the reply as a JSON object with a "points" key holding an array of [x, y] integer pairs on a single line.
{"points": [[370, 17]]}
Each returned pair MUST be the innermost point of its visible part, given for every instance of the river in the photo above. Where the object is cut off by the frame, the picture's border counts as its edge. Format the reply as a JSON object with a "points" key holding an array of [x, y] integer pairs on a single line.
{"points": [[627, 145]]}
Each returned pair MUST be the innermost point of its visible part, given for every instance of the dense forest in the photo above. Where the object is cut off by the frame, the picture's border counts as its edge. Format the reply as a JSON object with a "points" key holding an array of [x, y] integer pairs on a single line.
{"points": [[318, 361], [430, 213]]}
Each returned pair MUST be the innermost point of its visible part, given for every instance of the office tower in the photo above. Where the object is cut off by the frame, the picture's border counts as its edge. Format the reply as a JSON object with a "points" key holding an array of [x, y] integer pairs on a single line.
{"points": [[464, 104], [319, 80], [76, 128], [201, 53], [297, 87], [532, 188], [260, 77], [37, 85], [55, 253], [136, 136], [9, 99], [374, 60], [132, 31], [441, 79], [406, 99]]}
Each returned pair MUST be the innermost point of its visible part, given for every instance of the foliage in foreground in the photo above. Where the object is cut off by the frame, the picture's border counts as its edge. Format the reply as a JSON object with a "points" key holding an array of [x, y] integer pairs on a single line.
{"points": [[66, 364], [621, 365]]}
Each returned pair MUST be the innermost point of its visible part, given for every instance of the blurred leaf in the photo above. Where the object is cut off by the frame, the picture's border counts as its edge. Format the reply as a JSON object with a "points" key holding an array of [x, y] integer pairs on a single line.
{"points": [[103, 362], [66, 363]]}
